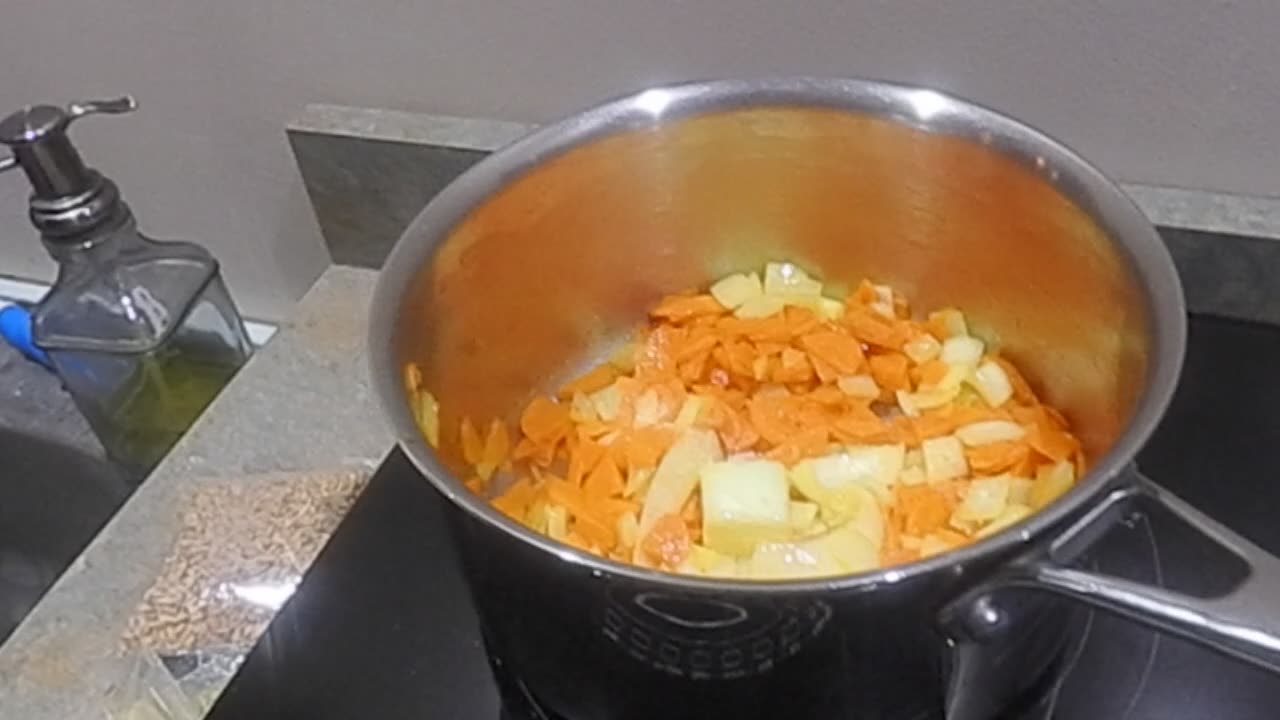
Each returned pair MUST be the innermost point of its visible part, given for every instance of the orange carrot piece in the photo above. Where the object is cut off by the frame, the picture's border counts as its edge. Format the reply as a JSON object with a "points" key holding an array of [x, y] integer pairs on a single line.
{"points": [[824, 370], [668, 543], [924, 508], [693, 347], [842, 352], [810, 442], [800, 320], [545, 421], [1057, 445], [865, 294], [875, 330], [682, 308], [514, 503], [770, 348], [932, 373], [471, 442], [476, 484], [646, 446], [828, 396], [859, 424], [890, 371], [741, 357], [793, 367], [583, 459], [998, 457], [596, 531], [604, 481], [597, 378]]}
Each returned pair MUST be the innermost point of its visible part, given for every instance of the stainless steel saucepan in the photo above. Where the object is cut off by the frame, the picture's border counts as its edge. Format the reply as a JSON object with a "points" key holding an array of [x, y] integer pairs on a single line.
{"points": [[547, 250]]}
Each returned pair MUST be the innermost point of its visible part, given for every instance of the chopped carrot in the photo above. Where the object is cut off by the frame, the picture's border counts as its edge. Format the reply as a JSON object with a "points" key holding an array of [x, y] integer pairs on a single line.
{"points": [[668, 542], [998, 457], [861, 425], [890, 371], [924, 508], [530, 451], [771, 348], [597, 378], [801, 320], [646, 446], [773, 387], [1057, 445], [875, 330], [699, 345], [933, 372], [681, 308], [584, 458], [810, 442], [793, 367], [545, 421], [604, 481], [865, 294], [842, 352], [471, 442], [575, 539], [514, 503]]}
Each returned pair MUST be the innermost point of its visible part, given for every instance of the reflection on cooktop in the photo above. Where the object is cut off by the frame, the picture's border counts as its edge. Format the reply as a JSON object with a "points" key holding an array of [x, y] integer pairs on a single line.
{"points": [[382, 626]]}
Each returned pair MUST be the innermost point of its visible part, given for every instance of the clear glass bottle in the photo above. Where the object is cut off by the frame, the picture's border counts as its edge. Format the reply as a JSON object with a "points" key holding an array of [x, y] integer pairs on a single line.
{"points": [[143, 333]]}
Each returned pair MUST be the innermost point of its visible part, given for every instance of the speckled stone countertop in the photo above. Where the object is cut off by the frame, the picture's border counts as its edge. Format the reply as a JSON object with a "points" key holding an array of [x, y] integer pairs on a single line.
{"points": [[301, 404]]}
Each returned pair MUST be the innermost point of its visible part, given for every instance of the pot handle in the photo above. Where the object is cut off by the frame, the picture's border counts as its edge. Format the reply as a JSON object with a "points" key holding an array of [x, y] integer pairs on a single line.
{"points": [[1244, 623]]}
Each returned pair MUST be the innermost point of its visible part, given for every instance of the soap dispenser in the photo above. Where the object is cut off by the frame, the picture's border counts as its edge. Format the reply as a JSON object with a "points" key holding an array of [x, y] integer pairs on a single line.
{"points": [[143, 333]]}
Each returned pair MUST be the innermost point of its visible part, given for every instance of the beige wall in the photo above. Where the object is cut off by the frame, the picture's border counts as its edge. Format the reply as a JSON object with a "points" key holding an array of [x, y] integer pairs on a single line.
{"points": [[1175, 92]]}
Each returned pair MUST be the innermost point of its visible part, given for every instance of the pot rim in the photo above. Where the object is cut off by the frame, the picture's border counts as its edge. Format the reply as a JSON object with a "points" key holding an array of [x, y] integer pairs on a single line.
{"points": [[923, 108]]}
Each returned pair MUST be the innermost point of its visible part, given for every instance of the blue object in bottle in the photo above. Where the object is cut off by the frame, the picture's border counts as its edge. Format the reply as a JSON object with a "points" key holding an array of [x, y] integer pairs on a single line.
{"points": [[15, 328]]}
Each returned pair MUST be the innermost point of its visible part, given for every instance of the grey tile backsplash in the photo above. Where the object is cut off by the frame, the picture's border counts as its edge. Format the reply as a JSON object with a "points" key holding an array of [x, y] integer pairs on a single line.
{"points": [[366, 191]]}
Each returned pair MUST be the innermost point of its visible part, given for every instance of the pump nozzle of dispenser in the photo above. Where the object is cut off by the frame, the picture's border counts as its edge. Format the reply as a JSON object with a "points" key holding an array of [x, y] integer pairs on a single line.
{"points": [[67, 197]]}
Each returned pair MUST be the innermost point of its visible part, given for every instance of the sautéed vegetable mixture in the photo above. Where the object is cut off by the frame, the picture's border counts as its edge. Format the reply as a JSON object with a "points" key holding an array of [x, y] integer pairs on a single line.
{"points": [[762, 430]]}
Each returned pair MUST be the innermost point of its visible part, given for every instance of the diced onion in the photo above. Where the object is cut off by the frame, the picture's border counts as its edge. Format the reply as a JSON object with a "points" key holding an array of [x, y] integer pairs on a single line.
{"points": [[427, 413], [985, 500], [1020, 490], [951, 319], [759, 307], [1012, 514], [944, 458], [922, 349], [557, 522], [781, 279], [986, 432], [992, 383], [607, 402], [735, 290], [962, 350], [907, 403], [628, 529], [689, 411], [582, 409], [1051, 482], [912, 476], [802, 515]]}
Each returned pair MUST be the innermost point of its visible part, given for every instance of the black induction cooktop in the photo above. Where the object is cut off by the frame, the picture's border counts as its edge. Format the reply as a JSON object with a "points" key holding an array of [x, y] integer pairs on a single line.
{"points": [[382, 626]]}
